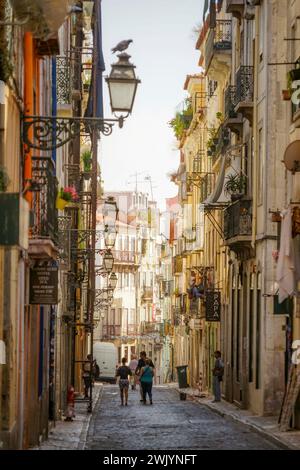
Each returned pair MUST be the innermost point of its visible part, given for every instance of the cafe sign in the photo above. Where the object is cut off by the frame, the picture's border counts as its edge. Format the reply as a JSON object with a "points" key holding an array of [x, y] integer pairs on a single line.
{"points": [[43, 285], [213, 305]]}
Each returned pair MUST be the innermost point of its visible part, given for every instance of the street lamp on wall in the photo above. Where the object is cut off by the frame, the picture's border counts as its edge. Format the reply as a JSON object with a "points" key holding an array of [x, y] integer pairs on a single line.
{"points": [[122, 85], [108, 261], [113, 280]]}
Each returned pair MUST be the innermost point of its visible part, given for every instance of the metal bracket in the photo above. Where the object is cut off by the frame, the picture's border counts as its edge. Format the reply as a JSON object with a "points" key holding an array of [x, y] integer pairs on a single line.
{"points": [[51, 132]]}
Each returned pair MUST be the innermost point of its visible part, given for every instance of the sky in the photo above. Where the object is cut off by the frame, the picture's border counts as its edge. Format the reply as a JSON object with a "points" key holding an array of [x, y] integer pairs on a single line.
{"points": [[163, 51]]}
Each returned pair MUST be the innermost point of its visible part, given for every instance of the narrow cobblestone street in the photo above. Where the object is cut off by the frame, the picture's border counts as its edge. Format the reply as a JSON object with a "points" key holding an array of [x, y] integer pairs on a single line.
{"points": [[168, 424]]}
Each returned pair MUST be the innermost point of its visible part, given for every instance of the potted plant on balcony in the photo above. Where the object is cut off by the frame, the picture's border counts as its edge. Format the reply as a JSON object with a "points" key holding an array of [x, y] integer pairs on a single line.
{"points": [[4, 180], [235, 186], [86, 158], [294, 74], [65, 197]]}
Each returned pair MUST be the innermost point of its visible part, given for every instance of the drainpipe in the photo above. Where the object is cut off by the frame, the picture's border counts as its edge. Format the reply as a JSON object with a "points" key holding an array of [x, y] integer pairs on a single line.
{"points": [[255, 129], [29, 103]]}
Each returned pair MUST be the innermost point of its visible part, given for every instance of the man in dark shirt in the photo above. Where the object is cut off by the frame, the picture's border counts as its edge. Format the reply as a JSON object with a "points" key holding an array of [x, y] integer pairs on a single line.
{"points": [[142, 363]]}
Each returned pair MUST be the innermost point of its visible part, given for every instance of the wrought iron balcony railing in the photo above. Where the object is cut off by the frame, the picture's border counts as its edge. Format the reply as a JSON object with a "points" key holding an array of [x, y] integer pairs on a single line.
{"points": [[44, 199], [219, 39], [222, 141], [238, 219], [147, 292], [121, 256], [199, 102], [244, 84], [230, 99], [63, 80]]}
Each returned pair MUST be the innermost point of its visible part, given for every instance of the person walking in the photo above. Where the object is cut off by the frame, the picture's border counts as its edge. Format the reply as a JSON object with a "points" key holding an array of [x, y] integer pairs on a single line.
{"points": [[218, 372], [142, 363], [132, 366], [87, 375], [147, 373], [123, 373]]}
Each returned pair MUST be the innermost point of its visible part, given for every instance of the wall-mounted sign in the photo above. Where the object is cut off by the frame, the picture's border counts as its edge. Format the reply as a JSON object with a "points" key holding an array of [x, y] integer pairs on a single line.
{"points": [[43, 285], [213, 305]]}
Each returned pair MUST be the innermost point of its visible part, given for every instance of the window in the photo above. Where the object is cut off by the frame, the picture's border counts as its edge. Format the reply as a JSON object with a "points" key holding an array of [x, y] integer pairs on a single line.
{"points": [[126, 280], [131, 320], [118, 317]]}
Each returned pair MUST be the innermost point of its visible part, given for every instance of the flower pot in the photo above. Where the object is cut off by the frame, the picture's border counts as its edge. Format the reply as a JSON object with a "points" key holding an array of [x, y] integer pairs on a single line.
{"points": [[286, 95], [87, 175], [276, 217], [209, 153], [294, 74], [61, 203], [215, 141]]}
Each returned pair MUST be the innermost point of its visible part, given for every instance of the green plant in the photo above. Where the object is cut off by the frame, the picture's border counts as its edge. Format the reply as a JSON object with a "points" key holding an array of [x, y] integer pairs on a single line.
{"points": [[235, 184], [4, 179], [220, 117], [182, 120], [87, 160]]}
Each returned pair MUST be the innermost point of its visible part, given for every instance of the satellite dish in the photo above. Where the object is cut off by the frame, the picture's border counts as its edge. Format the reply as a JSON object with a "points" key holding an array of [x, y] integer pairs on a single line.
{"points": [[291, 157]]}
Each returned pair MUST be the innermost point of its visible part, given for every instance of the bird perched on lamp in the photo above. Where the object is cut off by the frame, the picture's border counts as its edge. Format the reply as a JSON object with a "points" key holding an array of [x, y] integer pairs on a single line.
{"points": [[121, 46]]}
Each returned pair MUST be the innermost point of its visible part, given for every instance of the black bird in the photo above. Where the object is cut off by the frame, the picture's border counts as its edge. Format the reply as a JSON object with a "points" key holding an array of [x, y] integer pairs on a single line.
{"points": [[122, 46]]}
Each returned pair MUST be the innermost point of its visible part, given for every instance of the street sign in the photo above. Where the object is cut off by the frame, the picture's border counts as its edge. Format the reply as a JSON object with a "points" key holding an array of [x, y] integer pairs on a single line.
{"points": [[43, 285], [213, 305]]}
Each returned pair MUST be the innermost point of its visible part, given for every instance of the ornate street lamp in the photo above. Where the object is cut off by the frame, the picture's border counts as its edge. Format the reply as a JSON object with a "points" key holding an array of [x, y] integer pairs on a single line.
{"points": [[110, 235], [110, 216], [113, 280], [122, 84], [108, 261]]}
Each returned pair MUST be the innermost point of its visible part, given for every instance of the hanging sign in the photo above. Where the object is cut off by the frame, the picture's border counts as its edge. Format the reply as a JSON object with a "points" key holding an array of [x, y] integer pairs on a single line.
{"points": [[43, 285], [213, 305]]}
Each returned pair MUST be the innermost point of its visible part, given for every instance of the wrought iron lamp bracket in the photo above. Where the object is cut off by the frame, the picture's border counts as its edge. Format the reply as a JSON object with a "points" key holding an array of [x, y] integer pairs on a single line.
{"points": [[51, 132]]}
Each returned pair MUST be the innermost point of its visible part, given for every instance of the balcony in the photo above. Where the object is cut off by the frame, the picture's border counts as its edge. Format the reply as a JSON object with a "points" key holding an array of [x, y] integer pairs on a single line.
{"points": [[111, 331], [147, 294], [148, 327], [41, 17], [221, 142], [218, 47], [199, 102], [244, 92], [124, 257], [233, 120], [238, 228], [235, 7], [44, 230], [177, 265]]}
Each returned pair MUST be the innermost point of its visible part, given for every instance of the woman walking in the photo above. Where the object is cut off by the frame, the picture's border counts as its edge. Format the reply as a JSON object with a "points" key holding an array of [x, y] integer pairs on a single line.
{"points": [[146, 380], [124, 372], [132, 366]]}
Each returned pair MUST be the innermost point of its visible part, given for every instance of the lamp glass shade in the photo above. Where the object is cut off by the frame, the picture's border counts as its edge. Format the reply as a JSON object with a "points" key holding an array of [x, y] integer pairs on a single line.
{"points": [[122, 84], [110, 213], [122, 94], [108, 261], [113, 280], [110, 236]]}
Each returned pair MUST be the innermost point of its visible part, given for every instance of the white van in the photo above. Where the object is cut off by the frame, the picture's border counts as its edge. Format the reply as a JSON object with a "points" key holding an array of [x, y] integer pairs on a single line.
{"points": [[106, 355]]}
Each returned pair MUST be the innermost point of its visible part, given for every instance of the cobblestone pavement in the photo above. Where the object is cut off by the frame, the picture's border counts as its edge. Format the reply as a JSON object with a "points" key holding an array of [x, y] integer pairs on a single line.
{"points": [[168, 424]]}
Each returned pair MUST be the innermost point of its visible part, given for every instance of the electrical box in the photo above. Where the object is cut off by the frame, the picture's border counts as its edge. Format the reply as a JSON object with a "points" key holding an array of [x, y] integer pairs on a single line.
{"points": [[14, 220]]}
